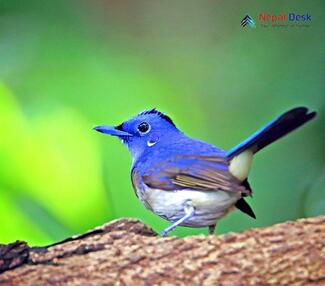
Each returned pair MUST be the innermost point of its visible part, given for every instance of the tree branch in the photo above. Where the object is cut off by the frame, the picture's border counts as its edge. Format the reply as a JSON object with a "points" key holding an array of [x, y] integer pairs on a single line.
{"points": [[126, 252]]}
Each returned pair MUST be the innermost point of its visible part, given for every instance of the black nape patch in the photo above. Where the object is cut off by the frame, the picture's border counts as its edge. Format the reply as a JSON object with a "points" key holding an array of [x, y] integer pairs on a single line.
{"points": [[160, 114]]}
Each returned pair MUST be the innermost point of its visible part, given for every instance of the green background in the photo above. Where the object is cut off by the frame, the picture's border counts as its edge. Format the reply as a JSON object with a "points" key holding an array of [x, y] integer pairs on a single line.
{"points": [[67, 66]]}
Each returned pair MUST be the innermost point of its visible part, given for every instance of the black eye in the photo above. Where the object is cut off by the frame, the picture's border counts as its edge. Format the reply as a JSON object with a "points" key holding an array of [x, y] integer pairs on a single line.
{"points": [[143, 127]]}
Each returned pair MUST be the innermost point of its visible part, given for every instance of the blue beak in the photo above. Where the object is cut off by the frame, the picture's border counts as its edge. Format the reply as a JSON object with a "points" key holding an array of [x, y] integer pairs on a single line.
{"points": [[111, 130]]}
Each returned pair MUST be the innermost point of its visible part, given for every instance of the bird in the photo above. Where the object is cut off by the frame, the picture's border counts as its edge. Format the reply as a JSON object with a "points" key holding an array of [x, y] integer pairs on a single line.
{"points": [[189, 182]]}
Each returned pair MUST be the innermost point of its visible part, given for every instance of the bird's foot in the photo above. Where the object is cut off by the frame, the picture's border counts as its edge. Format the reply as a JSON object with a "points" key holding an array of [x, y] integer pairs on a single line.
{"points": [[189, 212]]}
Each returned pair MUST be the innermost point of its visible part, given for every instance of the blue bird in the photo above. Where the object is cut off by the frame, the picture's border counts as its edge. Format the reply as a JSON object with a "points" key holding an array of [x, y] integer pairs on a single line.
{"points": [[190, 182]]}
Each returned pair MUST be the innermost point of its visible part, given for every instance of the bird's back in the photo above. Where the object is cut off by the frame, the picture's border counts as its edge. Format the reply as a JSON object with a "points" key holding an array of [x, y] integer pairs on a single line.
{"points": [[181, 145]]}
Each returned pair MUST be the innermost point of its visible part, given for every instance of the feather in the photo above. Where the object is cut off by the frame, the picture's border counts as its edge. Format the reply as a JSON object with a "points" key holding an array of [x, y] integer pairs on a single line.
{"points": [[158, 113], [243, 206], [193, 172], [273, 131]]}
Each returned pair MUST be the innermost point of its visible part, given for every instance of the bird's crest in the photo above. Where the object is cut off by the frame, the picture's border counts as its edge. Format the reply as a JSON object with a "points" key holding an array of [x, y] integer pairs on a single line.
{"points": [[158, 113]]}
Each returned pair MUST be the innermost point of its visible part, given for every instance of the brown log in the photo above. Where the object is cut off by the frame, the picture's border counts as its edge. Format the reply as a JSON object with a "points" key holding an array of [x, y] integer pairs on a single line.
{"points": [[126, 252]]}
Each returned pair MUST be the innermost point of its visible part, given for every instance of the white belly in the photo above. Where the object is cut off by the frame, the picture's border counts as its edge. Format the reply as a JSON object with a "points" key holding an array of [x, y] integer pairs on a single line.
{"points": [[209, 205]]}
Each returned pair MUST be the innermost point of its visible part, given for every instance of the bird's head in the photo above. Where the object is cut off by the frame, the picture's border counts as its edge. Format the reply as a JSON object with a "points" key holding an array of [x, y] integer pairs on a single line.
{"points": [[143, 131]]}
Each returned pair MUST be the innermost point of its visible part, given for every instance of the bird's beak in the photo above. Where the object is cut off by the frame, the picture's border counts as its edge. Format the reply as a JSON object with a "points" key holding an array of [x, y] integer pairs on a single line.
{"points": [[111, 130]]}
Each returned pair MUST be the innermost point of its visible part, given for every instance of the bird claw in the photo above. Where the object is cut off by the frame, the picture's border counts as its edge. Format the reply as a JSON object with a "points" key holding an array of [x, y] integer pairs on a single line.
{"points": [[189, 212], [163, 233]]}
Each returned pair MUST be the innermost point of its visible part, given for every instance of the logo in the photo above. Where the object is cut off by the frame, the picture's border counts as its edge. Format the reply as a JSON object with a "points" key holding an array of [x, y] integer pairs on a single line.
{"points": [[284, 17], [280, 20], [248, 21]]}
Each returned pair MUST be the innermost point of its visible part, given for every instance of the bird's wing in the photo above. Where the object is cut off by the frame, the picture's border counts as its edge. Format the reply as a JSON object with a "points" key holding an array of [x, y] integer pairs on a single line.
{"points": [[195, 172]]}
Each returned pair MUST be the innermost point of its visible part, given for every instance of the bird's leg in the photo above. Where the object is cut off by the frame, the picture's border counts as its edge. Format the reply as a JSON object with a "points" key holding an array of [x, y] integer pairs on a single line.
{"points": [[189, 212], [212, 228]]}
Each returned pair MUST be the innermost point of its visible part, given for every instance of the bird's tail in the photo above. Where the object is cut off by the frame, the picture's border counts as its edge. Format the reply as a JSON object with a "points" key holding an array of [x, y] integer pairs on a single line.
{"points": [[273, 131], [240, 157]]}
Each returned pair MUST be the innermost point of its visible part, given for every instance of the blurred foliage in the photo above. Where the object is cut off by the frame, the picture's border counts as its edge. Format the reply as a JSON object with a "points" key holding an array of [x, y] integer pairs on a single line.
{"points": [[67, 66]]}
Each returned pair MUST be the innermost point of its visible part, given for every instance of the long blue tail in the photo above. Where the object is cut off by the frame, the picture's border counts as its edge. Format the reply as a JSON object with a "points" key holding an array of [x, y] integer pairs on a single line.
{"points": [[273, 131]]}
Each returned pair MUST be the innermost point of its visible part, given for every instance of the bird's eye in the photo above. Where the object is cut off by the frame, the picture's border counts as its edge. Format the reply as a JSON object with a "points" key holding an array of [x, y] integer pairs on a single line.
{"points": [[143, 127]]}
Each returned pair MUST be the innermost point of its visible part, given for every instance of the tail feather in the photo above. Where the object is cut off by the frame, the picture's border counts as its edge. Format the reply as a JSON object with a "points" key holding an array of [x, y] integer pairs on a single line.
{"points": [[243, 206], [273, 131]]}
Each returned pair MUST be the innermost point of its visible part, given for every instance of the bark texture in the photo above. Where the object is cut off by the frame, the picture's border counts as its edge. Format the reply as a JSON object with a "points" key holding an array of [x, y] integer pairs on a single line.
{"points": [[126, 252]]}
